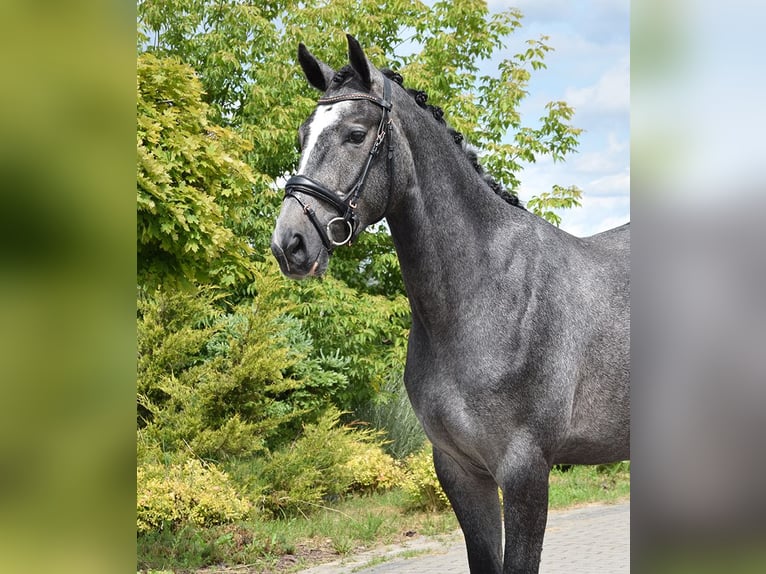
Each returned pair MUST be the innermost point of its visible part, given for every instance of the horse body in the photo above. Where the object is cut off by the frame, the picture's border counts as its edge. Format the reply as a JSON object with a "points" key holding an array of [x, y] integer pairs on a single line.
{"points": [[518, 355]]}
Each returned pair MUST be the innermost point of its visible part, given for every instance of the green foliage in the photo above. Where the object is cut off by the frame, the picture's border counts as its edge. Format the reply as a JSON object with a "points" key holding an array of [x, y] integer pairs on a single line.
{"points": [[422, 485], [241, 362], [193, 187], [347, 523], [192, 492], [455, 37], [391, 412], [558, 198], [224, 383], [299, 477], [376, 519], [370, 265], [244, 56], [583, 483], [369, 331], [372, 470]]}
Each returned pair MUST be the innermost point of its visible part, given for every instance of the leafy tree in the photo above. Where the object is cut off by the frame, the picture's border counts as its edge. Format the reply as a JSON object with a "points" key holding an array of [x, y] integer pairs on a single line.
{"points": [[193, 187], [558, 198], [368, 331]]}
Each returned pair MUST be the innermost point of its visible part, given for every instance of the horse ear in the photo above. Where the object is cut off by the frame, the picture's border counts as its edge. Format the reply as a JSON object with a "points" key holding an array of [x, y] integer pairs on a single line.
{"points": [[359, 61], [317, 72]]}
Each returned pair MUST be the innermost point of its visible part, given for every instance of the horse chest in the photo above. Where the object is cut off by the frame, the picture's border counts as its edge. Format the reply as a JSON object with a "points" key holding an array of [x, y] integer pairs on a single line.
{"points": [[452, 427], [458, 418]]}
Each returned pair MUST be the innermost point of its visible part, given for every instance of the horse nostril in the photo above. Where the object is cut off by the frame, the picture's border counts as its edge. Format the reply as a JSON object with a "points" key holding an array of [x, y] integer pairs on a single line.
{"points": [[296, 246]]}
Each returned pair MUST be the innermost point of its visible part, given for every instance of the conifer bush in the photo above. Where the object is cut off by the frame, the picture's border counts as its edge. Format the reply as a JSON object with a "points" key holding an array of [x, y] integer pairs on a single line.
{"points": [[373, 470], [422, 484], [223, 382], [188, 492], [324, 462]]}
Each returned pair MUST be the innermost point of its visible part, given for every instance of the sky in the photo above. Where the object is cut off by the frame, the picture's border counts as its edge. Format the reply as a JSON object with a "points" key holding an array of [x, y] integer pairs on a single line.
{"points": [[590, 70]]}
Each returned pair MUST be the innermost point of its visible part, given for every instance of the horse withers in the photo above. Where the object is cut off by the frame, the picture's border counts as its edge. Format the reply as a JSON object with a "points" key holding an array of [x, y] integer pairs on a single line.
{"points": [[519, 352]]}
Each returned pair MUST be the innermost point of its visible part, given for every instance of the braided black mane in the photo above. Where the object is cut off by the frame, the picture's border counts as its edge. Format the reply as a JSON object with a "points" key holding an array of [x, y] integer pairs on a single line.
{"points": [[421, 98]]}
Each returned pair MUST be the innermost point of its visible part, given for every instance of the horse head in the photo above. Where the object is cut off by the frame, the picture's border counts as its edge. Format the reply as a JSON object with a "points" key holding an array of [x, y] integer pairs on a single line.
{"points": [[344, 180]]}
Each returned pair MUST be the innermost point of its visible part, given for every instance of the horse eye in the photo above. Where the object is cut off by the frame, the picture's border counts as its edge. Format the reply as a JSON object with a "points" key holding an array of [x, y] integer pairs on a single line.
{"points": [[356, 136]]}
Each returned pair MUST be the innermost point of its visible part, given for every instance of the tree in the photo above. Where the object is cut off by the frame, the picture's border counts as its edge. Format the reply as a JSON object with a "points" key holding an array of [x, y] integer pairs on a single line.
{"points": [[193, 187]]}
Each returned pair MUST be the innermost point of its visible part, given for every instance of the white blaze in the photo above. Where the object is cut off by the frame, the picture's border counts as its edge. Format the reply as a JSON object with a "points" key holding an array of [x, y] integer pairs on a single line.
{"points": [[324, 117]]}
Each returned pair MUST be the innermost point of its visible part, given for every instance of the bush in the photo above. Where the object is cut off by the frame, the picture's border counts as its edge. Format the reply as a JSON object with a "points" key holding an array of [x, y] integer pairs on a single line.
{"points": [[324, 462], [192, 492], [372, 470], [227, 382], [421, 483]]}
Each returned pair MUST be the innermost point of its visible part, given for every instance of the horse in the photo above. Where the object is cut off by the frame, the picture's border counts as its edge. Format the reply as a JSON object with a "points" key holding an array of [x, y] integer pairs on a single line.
{"points": [[518, 356]]}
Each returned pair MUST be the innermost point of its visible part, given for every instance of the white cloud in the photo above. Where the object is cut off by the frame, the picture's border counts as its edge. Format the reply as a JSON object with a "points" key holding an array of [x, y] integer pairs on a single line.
{"points": [[605, 200], [603, 160], [610, 94], [613, 184], [597, 214]]}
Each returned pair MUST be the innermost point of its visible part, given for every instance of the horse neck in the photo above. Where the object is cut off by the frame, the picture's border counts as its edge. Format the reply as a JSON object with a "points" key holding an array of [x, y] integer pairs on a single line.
{"points": [[446, 227]]}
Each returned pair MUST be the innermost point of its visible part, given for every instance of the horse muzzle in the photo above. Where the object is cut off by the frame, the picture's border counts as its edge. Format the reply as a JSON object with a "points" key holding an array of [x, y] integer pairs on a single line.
{"points": [[296, 258]]}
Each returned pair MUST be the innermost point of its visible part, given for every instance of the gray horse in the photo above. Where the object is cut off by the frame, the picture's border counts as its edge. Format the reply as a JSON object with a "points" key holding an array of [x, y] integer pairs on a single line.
{"points": [[519, 352]]}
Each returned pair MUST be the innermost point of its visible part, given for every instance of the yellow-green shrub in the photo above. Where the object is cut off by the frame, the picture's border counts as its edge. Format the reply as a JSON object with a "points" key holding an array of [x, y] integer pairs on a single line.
{"points": [[373, 470], [421, 483], [191, 492], [296, 479], [328, 460]]}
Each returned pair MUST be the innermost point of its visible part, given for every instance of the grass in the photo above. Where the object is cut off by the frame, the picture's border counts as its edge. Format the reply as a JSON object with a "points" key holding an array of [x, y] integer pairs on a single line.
{"points": [[345, 527], [587, 484], [392, 413]]}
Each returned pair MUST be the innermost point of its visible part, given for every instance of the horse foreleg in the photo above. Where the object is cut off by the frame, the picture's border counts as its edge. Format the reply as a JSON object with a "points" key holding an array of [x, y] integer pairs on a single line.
{"points": [[476, 504], [525, 510]]}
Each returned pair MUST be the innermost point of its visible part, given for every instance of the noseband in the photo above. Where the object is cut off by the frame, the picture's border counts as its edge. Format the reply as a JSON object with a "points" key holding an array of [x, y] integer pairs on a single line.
{"points": [[345, 203]]}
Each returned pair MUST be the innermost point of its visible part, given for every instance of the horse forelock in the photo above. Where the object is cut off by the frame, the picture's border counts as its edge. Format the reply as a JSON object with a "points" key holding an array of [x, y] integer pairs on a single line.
{"points": [[347, 77]]}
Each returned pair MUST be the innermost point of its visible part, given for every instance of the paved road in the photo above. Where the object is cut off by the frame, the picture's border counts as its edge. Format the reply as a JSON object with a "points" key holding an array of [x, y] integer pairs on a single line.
{"points": [[580, 541]]}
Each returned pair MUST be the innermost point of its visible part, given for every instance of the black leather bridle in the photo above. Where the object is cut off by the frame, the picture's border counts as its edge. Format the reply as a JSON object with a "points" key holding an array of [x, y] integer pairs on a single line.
{"points": [[345, 203]]}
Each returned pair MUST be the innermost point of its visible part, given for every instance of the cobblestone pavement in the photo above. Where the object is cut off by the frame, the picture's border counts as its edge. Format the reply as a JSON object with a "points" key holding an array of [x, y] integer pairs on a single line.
{"points": [[579, 541]]}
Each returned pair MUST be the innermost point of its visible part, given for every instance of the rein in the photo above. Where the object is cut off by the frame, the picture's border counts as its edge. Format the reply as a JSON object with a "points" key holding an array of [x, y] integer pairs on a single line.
{"points": [[345, 203]]}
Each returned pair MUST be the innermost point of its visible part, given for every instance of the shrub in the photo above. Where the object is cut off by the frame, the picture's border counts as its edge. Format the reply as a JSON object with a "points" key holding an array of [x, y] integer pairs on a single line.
{"points": [[192, 492], [324, 462], [227, 382], [368, 331], [421, 483], [372, 470], [299, 477]]}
